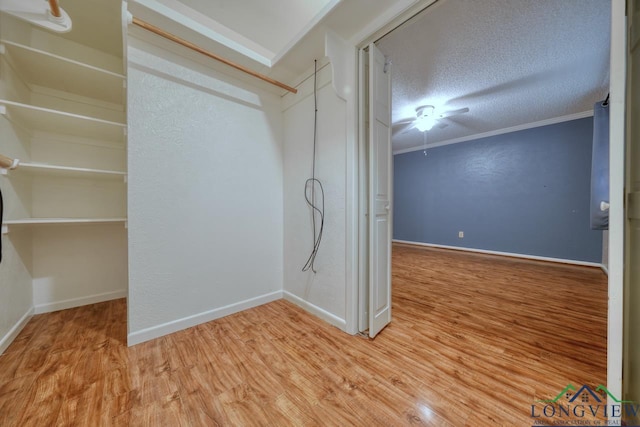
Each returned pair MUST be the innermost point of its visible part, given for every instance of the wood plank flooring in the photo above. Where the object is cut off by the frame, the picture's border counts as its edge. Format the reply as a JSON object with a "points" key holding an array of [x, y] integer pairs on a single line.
{"points": [[475, 339]]}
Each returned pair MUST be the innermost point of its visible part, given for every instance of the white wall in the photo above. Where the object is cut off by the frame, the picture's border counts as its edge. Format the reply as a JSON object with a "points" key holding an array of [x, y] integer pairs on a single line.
{"points": [[15, 283], [78, 265], [323, 293], [205, 191]]}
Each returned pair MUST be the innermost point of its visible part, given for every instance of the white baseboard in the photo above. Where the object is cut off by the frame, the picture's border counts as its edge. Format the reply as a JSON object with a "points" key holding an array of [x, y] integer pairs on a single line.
{"points": [[77, 302], [147, 334], [605, 269], [13, 332], [317, 311], [509, 254]]}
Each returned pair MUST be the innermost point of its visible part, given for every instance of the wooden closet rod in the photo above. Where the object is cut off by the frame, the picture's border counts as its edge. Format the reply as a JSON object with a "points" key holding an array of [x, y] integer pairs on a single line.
{"points": [[55, 9], [198, 49]]}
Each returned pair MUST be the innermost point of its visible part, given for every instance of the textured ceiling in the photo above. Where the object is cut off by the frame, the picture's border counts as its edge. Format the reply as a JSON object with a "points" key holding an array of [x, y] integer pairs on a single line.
{"points": [[511, 62]]}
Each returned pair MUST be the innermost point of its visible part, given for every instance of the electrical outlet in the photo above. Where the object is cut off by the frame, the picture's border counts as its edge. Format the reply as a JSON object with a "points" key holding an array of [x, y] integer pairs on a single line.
{"points": [[461, 234]]}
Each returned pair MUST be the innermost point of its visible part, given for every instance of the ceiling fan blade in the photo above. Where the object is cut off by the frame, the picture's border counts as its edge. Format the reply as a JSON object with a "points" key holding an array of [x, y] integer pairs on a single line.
{"points": [[453, 112], [402, 128], [403, 122], [442, 125], [413, 126]]}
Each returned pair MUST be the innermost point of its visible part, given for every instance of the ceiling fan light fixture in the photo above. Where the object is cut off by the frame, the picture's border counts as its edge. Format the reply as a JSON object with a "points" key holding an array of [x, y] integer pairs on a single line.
{"points": [[425, 123], [425, 118]]}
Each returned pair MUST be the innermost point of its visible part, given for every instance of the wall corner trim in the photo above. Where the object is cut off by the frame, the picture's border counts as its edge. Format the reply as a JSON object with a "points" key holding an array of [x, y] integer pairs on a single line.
{"points": [[605, 269], [316, 311], [6, 341], [167, 328]]}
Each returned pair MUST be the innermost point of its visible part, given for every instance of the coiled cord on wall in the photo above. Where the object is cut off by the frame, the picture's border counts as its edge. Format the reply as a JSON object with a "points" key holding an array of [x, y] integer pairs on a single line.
{"points": [[311, 184]]}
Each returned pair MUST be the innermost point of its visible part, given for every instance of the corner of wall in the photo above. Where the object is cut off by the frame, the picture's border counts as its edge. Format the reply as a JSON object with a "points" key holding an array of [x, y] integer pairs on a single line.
{"points": [[16, 290], [329, 294], [157, 331], [317, 311], [11, 335]]}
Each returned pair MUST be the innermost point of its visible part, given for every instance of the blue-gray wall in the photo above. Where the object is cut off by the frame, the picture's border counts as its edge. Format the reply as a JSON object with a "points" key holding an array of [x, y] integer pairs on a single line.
{"points": [[525, 192]]}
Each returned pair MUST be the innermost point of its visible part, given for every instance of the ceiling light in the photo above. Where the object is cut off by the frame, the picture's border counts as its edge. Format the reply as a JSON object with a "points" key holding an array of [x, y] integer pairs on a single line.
{"points": [[425, 119], [425, 123]]}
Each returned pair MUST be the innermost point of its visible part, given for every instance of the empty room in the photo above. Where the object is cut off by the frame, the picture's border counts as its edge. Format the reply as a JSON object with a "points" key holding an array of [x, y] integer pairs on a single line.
{"points": [[493, 138], [328, 212]]}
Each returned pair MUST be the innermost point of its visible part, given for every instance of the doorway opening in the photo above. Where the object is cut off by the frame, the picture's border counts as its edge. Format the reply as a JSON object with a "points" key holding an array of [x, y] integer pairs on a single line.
{"points": [[495, 98]]}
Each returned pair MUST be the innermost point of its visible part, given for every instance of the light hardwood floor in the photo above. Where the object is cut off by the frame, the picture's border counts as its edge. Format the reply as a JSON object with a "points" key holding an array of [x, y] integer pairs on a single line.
{"points": [[475, 339]]}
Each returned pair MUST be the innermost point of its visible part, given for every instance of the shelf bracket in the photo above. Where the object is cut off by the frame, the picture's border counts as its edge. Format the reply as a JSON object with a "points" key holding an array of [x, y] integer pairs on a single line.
{"points": [[34, 13], [7, 163]]}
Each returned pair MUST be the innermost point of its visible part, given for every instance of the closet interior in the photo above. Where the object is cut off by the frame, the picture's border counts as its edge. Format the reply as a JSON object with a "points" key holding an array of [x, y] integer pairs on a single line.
{"points": [[63, 117]]}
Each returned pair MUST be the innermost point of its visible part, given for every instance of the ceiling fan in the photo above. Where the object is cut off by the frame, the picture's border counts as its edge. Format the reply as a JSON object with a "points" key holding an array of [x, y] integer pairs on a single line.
{"points": [[426, 118]]}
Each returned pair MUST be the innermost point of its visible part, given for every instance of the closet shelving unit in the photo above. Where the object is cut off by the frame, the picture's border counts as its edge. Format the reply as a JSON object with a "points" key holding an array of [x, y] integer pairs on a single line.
{"points": [[63, 126], [65, 74], [60, 122], [52, 76]]}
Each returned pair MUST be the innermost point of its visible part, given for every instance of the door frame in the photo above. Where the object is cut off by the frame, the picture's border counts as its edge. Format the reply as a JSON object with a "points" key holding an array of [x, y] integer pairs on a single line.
{"points": [[363, 191], [617, 88], [616, 181], [396, 16]]}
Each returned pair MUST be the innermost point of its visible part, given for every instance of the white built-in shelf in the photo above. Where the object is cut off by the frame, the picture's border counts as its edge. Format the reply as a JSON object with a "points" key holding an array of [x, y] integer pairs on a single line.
{"points": [[41, 68], [36, 221], [39, 169], [58, 221], [60, 122]]}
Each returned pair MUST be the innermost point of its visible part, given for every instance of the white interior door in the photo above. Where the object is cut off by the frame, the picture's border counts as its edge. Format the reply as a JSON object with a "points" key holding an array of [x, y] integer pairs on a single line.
{"points": [[380, 175], [631, 371]]}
